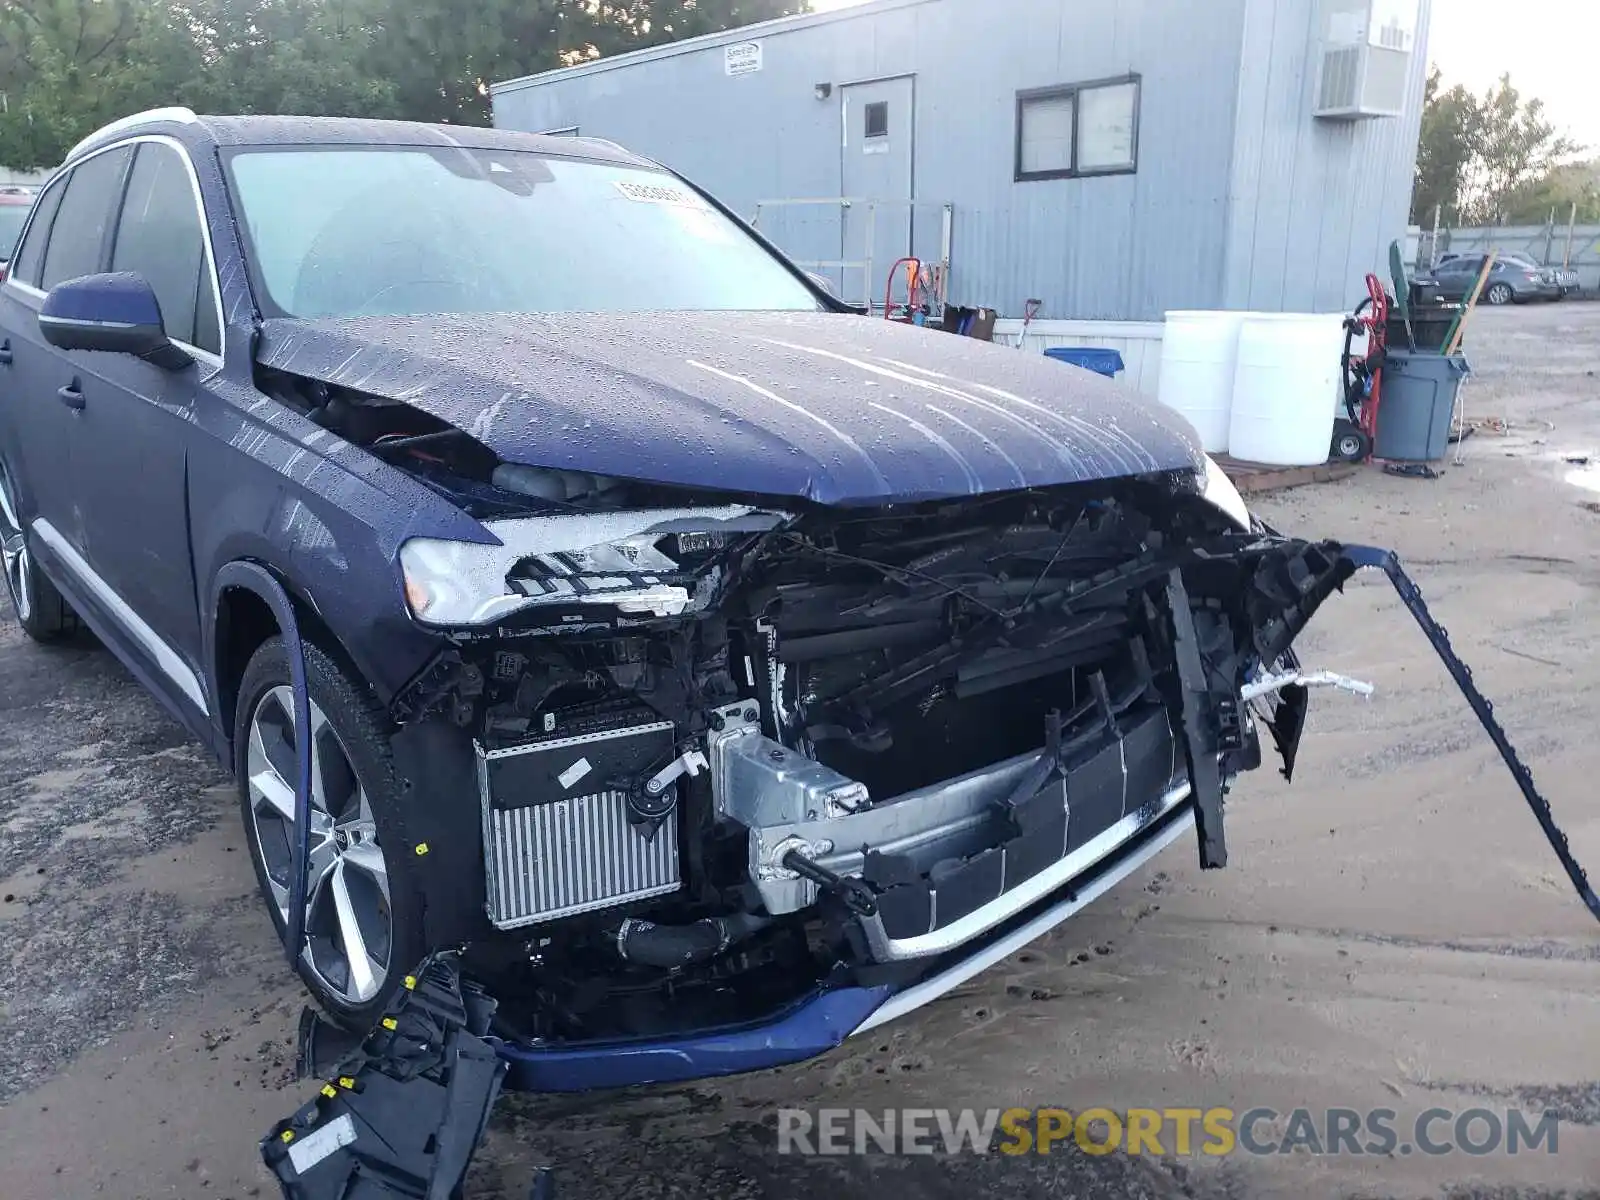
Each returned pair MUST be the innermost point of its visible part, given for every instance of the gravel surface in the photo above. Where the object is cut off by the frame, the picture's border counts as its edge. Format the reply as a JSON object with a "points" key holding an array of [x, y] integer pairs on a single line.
{"points": [[1393, 931]]}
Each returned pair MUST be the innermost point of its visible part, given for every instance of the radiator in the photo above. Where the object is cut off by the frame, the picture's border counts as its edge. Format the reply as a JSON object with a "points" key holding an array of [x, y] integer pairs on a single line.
{"points": [[557, 840]]}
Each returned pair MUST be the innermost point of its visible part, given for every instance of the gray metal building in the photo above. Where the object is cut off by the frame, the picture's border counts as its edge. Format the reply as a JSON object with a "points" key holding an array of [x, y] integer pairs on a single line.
{"points": [[1114, 159]]}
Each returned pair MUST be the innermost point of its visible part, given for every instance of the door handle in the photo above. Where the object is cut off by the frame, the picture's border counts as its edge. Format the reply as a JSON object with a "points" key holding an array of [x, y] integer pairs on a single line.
{"points": [[5, 353], [71, 396]]}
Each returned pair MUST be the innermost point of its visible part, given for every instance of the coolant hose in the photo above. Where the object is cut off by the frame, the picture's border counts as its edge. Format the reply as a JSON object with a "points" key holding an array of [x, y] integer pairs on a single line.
{"points": [[674, 946]]}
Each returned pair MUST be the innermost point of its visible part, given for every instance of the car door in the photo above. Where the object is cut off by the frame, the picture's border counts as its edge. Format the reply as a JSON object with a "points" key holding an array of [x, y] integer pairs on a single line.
{"points": [[136, 426], [66, 238], [1449, 276]]}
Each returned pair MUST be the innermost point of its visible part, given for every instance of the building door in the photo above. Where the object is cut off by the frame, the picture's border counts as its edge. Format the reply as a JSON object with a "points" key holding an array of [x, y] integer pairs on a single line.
{"points": [[877, 166]]}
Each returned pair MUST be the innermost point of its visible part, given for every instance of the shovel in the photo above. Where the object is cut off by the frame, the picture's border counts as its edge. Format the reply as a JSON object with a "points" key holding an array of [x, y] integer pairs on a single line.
{"points": [[1402, 293]]}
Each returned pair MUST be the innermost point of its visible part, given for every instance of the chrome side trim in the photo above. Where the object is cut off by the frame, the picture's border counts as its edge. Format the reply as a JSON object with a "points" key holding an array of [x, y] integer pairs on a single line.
{"points": [[930, 990], [173, 667], [1002, 908]]}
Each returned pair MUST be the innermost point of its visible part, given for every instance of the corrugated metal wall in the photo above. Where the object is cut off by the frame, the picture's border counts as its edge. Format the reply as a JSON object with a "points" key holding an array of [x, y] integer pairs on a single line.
{"points": [[1315, 203], [1127, 247]]}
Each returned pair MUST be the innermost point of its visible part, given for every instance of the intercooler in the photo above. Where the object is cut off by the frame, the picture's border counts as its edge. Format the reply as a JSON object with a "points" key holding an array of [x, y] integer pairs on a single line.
{"points": [[557, 835]]}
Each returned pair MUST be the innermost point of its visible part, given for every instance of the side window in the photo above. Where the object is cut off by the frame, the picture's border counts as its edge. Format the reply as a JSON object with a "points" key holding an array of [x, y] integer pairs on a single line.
{"points": [[30, 253], [78, 235], [159, 236]]}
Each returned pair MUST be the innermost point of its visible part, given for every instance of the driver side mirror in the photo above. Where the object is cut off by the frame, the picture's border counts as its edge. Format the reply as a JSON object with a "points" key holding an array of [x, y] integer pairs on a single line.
{"points": [[114, 314]]}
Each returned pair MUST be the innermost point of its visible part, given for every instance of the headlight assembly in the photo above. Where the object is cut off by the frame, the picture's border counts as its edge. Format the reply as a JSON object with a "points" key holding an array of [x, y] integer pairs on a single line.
{"points": [[654, 563]]}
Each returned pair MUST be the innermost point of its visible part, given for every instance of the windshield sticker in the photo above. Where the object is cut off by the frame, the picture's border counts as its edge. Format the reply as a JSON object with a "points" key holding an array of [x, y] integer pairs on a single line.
{"points": [[659, 193]]}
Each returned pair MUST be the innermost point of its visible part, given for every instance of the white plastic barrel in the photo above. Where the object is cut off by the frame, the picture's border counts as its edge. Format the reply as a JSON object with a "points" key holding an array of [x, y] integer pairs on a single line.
{"points": [[1198, 363], [1288, 366]]}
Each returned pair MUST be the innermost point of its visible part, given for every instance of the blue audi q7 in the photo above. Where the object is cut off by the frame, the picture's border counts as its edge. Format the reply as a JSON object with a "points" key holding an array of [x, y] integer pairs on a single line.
{"points": [[724, 670]]}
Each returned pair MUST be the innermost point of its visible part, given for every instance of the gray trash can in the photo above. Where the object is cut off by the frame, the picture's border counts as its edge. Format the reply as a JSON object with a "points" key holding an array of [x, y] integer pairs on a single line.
{"points": [[1417, 405]]}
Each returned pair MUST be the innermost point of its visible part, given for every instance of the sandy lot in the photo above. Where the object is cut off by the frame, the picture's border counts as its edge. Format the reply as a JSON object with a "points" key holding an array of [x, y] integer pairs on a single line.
{"points": [[1393, 932]]}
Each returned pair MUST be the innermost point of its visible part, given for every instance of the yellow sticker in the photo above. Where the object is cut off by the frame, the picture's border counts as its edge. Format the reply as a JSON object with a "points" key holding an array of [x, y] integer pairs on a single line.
{"points": [[411, 982], [329, 1091], [390, 1023], [422, 848], [287, 1135]]}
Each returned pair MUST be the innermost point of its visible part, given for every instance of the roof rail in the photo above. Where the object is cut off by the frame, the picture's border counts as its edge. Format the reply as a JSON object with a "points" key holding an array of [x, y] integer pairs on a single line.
{"points": [[182, 116]]}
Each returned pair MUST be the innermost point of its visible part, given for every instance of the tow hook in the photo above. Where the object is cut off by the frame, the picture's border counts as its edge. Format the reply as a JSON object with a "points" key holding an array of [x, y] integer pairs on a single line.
{"points": [[857, 896], [400, 1116]]}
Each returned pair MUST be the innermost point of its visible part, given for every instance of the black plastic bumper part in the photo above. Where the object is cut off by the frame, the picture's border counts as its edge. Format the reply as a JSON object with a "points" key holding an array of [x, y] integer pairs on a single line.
{"points": [[401, 1117]]}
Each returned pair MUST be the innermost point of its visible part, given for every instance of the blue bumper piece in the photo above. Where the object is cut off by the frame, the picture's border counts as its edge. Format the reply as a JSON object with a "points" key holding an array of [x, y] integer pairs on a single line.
{"points": [[813, 1027]]}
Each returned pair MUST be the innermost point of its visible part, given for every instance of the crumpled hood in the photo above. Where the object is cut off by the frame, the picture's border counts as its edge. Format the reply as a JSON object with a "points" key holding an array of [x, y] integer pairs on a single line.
{"points": [[837, 409]]}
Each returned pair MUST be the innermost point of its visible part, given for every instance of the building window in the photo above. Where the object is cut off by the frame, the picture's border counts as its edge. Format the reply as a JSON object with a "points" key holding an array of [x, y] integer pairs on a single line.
{"points": [[1078, 129], [877, 119]]}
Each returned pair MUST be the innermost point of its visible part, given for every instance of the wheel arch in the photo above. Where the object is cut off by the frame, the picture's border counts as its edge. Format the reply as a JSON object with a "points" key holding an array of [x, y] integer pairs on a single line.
{"points": [[252, 604]]}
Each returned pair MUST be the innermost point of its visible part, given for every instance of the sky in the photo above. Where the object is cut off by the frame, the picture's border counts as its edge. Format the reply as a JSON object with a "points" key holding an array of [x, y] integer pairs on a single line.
{"points": [[1543, 43]]}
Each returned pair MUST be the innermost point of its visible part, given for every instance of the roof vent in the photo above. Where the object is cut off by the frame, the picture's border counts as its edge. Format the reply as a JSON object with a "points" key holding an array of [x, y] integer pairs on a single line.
{"points": [[1366, 58]]}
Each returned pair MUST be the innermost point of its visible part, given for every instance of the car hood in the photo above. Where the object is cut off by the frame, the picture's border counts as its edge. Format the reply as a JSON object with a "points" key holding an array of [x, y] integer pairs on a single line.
{"points": [[836, 409]]}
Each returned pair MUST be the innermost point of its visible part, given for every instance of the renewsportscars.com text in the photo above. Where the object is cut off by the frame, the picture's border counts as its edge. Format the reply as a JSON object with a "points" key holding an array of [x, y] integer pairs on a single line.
{"points": [[1180, 1132]]}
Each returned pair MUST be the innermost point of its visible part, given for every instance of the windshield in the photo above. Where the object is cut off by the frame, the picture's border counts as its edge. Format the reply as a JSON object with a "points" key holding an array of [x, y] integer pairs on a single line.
{"points": [[12, 218], [349, 231]]}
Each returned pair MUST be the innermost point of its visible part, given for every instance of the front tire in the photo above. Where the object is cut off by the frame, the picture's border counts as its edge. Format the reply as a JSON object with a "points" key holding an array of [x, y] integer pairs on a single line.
{"points": [[363, 929], [1499, 294], [41, 611]]}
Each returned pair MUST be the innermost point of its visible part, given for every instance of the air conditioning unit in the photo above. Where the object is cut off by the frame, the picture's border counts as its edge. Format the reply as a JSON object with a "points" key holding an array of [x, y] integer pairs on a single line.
{"points": [[1366, 58]]}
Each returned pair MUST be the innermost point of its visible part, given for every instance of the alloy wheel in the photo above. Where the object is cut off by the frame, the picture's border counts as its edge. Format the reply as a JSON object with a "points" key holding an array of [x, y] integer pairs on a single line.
{"points": [[14, 557], [349, 926]]}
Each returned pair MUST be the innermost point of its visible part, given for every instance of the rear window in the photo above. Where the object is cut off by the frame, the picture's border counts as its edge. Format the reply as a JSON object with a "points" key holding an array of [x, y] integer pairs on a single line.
{"points": [[13, 215]]}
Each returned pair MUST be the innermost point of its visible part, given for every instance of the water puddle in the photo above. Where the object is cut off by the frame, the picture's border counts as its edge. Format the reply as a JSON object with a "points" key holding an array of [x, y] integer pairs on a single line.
{"points": [[1587, 478]]}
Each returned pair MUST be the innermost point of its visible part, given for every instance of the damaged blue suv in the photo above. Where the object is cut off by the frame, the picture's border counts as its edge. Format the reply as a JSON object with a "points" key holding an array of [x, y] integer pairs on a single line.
{"points": [[725, 671]]}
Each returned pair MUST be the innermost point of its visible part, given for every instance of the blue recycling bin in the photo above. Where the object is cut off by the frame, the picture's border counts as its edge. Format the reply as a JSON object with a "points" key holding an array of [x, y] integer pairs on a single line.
{"points": [[1091, 358]]}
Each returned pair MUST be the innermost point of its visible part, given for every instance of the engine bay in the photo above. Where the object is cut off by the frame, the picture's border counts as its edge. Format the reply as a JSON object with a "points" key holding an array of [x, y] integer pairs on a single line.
{"points": [[866, 736]]}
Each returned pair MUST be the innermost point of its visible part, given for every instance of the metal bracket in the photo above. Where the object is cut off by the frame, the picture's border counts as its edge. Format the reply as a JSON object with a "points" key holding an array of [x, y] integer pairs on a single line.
{"points": [[691, 763], [1200, 743]]}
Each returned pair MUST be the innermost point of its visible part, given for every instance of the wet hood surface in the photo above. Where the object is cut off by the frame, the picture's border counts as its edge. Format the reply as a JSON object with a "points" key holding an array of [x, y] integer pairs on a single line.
{"points": [[837, 409]]}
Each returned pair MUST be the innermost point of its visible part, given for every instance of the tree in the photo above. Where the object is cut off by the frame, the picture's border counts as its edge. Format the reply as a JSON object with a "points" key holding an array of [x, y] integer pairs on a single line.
{"points": [[1486, 159], [445, 53], [67, 66], [303, 57], [1570, 192], [1517, 147], [1451, 123]]}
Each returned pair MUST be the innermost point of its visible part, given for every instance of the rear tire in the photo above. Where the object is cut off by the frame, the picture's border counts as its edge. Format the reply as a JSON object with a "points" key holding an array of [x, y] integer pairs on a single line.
{"points": [[1499, 294], [363, 913], [41, 611]]}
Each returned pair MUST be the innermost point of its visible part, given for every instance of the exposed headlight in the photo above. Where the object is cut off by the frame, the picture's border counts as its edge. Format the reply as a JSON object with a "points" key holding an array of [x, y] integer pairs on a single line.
{"points": [[1219, 491], [646, 564]]}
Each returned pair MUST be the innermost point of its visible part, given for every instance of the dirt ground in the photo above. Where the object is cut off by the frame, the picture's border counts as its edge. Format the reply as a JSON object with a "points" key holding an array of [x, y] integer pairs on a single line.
{"points": [[1393, 931]]}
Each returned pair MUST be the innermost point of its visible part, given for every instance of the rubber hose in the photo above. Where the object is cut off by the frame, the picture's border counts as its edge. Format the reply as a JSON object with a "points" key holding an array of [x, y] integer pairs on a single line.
{"points": [[674, 946]]}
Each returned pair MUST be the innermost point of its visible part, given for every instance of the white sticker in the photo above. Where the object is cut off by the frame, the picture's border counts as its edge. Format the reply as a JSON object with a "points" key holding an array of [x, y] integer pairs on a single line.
{"points": [[742, 58], [313, 1148], [574, 773], [659, 193]]}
